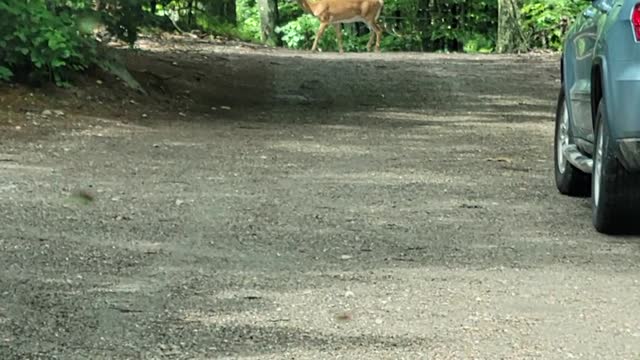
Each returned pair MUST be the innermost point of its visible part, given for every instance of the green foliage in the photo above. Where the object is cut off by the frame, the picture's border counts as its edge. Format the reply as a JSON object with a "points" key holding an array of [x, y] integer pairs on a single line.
{"points": [[402, 42], [5, 73], [122, 18], [222, 29], [212, 16], [437, 25], [300, 33], [478, 43], [412, 25], [38, 42], [544, 21], [454, 23], [44, 40], [249, 19], [47, 40]]}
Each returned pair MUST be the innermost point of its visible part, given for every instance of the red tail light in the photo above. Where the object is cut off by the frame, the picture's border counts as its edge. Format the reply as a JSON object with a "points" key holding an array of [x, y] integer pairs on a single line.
{"points": [[635, 20]]}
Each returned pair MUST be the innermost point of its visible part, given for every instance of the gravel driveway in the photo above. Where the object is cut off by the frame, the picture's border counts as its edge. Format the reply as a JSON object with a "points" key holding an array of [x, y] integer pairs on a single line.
{"points": [[271, 204]]}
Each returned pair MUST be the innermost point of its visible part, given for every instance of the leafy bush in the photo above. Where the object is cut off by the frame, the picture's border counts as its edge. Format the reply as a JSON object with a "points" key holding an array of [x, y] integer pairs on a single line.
{"points": [[5, 73], [300, 34], [123, 18], [402, 42], [47, 40], [249, 24], [44, 40], [415, 25], [38, 42], [544, 21], [478, 43]]}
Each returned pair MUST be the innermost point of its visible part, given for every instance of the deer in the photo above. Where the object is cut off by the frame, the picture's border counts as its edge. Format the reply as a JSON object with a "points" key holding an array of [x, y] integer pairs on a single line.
{"points": [[336, 12]]}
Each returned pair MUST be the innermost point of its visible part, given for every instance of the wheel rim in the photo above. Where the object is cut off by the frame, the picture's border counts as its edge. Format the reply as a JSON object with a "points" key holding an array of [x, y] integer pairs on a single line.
{"points": [[597, 167], [563, 138]]}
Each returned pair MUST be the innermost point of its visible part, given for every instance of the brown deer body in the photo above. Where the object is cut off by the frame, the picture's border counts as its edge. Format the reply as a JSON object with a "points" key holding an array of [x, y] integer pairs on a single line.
{"points": [[336, 12]]}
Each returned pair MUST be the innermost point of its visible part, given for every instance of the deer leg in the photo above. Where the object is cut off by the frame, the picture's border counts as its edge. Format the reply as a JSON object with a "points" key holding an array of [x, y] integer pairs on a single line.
{"points": [[339, 36], [323, 27], [378, 31], [371, 35]]}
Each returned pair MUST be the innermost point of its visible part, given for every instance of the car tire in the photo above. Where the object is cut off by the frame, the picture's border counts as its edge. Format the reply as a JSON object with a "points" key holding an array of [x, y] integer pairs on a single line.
{"points": [[569, 179], [615, 197]]}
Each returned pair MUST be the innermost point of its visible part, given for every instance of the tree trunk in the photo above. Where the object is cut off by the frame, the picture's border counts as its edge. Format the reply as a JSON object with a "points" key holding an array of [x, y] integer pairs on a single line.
{"points": [[510, 38], [425, 9], [223, 10], [190, 15], [230, 12], [268, 18]]}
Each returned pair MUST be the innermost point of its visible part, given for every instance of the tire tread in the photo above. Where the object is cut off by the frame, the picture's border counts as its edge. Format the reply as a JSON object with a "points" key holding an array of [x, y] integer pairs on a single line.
{"points": [[618, 210]]}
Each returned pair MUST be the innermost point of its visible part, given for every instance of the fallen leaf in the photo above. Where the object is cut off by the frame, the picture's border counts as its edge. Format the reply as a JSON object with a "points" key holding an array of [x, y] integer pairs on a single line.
{"points": [[344, 317], [82, 196]]}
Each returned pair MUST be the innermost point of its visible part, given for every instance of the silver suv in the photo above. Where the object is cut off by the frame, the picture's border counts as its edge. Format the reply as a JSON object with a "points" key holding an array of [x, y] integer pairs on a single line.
{"points": [[597, 137]]}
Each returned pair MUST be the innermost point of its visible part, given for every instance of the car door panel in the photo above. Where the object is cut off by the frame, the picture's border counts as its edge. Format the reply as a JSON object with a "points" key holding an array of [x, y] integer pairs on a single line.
{"points": [[583, 46]]}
